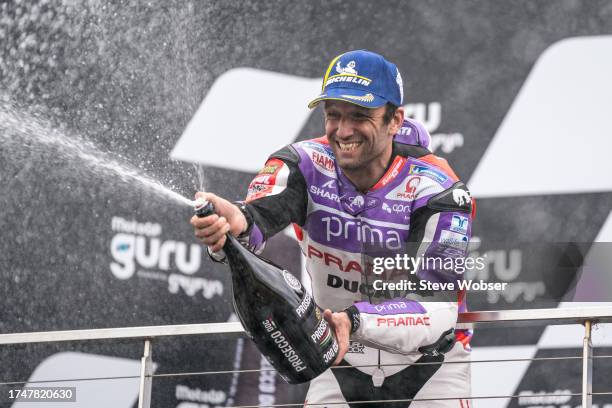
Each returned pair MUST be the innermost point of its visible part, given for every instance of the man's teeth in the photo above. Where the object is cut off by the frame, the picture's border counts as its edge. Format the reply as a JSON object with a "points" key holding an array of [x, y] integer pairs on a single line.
{"points": [[347, 147]]}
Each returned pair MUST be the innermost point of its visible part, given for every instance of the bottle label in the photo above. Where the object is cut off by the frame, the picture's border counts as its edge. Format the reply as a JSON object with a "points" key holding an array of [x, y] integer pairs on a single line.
{"points": [[304, 305], [283, 345], [292, 281], [331, 354]]}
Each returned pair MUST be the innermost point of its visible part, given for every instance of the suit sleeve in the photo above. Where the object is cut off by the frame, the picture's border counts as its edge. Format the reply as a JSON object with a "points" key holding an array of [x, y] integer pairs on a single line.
{"points": [[441, 230], [276, 198]]}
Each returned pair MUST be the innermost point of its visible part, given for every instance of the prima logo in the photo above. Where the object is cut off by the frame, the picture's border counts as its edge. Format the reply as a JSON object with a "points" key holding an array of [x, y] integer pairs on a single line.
{"points": [[138, 249], [357, 230]]}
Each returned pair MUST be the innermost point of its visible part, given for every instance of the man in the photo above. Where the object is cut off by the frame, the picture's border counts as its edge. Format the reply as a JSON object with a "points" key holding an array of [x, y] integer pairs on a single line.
{"points": [[369, 186]]}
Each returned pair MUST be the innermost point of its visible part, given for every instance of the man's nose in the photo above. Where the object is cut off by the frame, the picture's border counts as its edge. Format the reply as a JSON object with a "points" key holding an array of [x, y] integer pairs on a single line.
{"points": [[345, 129]]}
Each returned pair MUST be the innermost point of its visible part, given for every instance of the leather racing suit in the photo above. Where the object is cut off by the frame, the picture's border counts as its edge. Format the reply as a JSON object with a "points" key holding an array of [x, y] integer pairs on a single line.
{"points": [[418, 200]]}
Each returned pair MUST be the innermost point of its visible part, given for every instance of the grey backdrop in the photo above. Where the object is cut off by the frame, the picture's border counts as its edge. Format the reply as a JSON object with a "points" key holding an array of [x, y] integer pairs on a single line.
{"points": [[129, 76]]}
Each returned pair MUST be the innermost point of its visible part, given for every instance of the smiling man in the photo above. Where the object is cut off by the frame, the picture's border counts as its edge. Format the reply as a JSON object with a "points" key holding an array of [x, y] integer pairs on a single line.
{"points": [[369, 186]]}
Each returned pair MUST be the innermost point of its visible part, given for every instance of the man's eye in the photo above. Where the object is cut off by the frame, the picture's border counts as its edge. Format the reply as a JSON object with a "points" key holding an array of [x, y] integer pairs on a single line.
{"points": [[359, 116], [331, 116]]}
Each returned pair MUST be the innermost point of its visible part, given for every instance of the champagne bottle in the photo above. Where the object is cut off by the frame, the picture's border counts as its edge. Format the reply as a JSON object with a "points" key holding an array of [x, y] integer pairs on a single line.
{"points": [[277, 312]]}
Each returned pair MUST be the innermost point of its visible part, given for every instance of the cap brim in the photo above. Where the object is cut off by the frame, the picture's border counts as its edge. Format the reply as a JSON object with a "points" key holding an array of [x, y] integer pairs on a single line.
{"points": [[350, 95]]}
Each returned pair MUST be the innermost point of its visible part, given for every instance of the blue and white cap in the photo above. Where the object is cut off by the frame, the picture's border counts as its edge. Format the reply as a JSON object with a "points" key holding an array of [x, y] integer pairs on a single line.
{"points": [[361, 77]]}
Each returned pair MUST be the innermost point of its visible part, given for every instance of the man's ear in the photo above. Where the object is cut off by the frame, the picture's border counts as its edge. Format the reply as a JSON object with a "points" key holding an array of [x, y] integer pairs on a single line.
{"points": [[397, 120]]}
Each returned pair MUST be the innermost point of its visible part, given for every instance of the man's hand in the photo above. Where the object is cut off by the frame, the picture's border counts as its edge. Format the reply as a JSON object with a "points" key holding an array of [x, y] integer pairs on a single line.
{"points": [[341, 325], [211, 230]]}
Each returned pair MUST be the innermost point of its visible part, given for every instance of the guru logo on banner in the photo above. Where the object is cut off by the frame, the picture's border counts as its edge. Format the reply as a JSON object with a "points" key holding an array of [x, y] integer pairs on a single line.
{"points": [[138, 249], [430, 115]]}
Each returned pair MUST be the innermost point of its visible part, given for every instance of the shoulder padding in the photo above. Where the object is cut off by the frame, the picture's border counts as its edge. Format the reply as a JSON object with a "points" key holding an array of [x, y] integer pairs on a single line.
{"points": [[287, 154], [455, 198], [407, 150]]}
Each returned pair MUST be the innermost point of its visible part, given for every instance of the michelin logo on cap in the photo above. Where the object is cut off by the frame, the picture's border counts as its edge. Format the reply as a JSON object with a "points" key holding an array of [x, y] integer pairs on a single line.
{"points": [[363, 78]]}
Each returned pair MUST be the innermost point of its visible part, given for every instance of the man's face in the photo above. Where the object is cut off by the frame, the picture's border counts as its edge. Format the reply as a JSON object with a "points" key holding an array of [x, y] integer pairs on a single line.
{"points": [[357, 135]]}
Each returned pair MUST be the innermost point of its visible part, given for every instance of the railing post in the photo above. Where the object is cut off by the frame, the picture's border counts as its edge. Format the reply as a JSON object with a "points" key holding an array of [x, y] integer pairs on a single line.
{"points": [[587, 366], [146, 381]]}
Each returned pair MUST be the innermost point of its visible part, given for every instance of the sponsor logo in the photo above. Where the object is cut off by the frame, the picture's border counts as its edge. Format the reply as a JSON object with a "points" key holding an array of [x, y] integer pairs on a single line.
{"points": [[545, 398], [386, 208], [356, 201], [138, 249], [459, 224], [321, 330], [356, 230], [292, 281], [348, 78], [283, 345], [332, 352], [329, 184], [353, 286], [400, 84], [349, 69], [400, 208], [321, 192], [330, 259], [267, 384], [393, 172], [461, 197], [356, 347], [454, 240], [270, 168], [259, 188], [323, 161], [410, 189], [186, 393], [386, 307], [305, 305], [427, 172], [403, 321], [504, 265], [262, 179], [430, 115], [365, 98]]}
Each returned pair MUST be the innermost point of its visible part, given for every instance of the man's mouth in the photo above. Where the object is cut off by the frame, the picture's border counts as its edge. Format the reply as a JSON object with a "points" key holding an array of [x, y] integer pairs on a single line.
{"points": [[348, 147]]}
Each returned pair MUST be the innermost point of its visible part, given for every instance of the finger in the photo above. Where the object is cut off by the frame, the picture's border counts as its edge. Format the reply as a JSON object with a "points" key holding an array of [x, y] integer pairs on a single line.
{"points": [[203, 222], [329, 317], [219, 245], [342, 349], [211, 230], [214, 238]]}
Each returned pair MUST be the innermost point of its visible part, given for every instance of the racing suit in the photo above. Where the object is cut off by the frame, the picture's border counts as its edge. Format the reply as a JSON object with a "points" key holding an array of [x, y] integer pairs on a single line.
{"points": [[418, 200]]}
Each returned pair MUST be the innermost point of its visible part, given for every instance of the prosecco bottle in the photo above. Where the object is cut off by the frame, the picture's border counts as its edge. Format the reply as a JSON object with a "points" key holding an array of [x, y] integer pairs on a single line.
{"points": [[277, 312]]}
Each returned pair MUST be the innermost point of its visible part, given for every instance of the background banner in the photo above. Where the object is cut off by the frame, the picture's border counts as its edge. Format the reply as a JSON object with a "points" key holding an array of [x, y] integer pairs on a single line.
{"points": [[112, 115]]}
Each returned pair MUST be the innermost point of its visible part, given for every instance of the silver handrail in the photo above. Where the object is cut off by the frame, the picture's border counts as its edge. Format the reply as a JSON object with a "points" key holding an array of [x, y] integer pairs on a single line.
{"points": [[586, 316]]}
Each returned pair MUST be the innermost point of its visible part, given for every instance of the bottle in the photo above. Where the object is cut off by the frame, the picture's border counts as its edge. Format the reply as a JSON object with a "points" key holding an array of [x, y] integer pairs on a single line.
{"points": [[277, 312]]}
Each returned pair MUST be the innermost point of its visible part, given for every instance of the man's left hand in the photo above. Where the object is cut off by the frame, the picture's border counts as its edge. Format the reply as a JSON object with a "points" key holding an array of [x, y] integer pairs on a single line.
{"points": [[341, 325]]}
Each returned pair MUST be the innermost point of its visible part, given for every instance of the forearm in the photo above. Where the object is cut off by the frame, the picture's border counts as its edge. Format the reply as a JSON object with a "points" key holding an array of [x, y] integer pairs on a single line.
{"points": [[402, 326]]}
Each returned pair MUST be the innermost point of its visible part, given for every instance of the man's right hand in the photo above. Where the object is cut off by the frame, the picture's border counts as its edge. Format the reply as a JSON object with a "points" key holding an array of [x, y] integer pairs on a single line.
{"points": [[211, 230]]}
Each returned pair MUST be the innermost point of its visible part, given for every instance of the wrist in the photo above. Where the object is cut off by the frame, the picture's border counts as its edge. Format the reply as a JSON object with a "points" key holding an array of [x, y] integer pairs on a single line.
{"points": [[353, 316], [245, 219]]}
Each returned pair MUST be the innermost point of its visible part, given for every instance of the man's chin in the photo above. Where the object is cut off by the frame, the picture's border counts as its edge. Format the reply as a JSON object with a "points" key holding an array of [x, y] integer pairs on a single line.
{"points": [[349, 164]]}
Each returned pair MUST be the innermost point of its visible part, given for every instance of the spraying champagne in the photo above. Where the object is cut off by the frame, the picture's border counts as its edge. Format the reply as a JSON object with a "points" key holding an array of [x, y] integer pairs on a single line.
{"points": [[277, 312]]}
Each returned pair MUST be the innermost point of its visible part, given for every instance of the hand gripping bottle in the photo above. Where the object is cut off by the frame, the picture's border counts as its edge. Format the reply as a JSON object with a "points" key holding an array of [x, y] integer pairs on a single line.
{"points": [[277, 312]]}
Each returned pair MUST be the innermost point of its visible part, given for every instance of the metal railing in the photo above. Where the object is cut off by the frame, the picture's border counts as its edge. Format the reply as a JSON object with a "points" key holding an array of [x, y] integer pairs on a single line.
{"points": [[587, 316]]}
